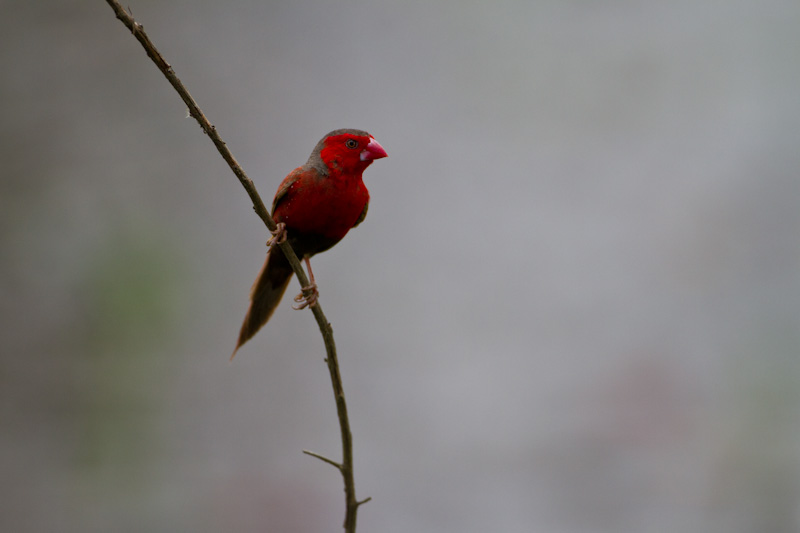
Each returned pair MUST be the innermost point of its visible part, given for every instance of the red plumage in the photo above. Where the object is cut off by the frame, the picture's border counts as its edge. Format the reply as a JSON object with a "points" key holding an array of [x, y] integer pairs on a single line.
{"points": [[318, 203]]}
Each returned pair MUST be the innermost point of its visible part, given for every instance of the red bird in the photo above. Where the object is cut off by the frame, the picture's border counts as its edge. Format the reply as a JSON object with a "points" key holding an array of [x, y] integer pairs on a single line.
{"points": [[314, 208]]}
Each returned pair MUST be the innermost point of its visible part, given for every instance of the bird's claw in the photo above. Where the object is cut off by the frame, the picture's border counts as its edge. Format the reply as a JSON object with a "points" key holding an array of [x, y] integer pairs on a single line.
{"points": [[278, 235], [310, 300]]}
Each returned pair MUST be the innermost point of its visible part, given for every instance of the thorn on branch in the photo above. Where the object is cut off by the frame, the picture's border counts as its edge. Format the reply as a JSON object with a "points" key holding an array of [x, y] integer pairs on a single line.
{"points": [[365, 500]]}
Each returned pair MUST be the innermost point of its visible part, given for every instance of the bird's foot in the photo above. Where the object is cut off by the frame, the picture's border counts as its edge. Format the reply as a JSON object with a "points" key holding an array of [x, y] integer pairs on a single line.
{"points": [[304, 300], [278, 236]]}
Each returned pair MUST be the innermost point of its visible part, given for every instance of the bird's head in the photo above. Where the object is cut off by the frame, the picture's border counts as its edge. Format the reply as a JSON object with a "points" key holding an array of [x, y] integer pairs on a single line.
{"points": [[348, 151]]}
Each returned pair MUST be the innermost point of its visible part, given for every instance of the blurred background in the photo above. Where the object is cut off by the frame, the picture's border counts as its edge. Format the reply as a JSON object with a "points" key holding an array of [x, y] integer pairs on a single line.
{"points": [[574, 305]]}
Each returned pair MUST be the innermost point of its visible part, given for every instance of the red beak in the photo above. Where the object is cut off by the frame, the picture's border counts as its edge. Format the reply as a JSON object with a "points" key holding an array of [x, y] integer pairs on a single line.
{"points": [[373, 150]]}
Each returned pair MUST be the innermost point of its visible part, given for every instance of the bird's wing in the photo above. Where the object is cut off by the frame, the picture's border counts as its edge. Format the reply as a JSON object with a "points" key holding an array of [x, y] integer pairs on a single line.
{"points": [[285, 185]]}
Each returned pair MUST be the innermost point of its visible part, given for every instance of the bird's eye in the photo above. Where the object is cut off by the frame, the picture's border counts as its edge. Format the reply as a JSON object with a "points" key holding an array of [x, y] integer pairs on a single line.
{"points": [[351, 143]]}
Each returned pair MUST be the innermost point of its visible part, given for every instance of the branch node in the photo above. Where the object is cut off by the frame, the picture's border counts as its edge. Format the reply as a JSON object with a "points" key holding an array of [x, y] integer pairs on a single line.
{"points": [[365, 500]]}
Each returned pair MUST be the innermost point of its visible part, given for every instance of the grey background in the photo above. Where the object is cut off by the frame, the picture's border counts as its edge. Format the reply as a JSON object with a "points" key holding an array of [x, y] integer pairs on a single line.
{"points": [[573, 307]]}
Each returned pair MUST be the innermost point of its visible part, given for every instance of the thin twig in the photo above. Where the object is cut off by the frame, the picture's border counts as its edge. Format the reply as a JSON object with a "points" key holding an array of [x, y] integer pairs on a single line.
{"points": [[323, 458], [346, 466]]}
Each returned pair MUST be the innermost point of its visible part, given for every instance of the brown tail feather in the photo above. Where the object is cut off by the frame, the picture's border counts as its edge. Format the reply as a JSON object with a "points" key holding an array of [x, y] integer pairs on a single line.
{"points": [[265, 295]]}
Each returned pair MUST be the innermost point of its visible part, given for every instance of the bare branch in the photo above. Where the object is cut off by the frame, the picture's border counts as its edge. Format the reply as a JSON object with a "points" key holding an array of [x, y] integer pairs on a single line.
{"points": [[346, 466]]}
